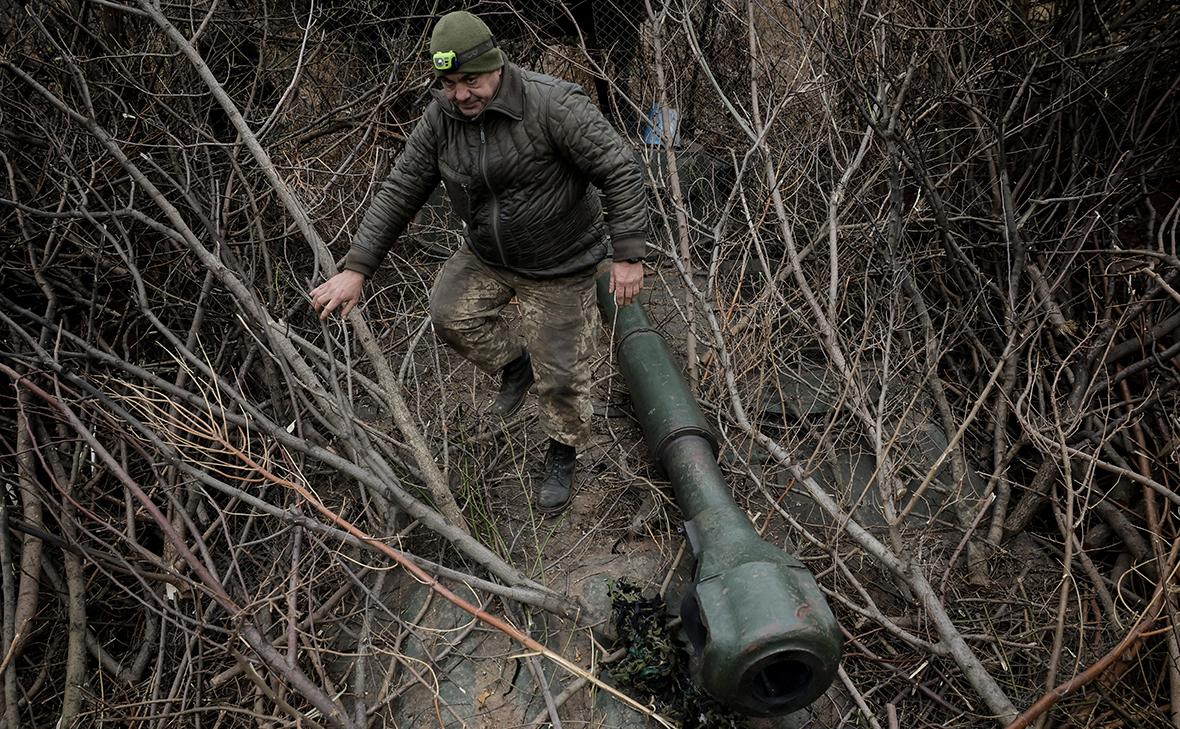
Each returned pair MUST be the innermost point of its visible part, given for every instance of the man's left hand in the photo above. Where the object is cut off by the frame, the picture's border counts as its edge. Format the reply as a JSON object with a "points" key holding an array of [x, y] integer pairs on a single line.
{"points": [[626, 281]]}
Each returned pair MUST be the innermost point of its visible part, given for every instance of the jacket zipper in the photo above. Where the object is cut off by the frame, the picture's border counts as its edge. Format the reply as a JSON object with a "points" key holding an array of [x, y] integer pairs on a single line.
{"points": [[483, 167]]}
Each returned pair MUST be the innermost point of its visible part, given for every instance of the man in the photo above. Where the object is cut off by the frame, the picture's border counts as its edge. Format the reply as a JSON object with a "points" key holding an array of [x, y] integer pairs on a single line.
{"points": [[518, 152]]}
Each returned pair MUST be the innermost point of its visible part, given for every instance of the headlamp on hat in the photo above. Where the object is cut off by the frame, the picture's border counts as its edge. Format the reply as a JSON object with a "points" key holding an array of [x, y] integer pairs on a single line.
{"points": [[444, 60], [450, 61]]}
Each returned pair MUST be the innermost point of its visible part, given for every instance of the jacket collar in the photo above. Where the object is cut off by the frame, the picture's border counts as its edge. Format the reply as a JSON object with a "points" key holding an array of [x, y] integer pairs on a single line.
{"points": [[509, 98]]}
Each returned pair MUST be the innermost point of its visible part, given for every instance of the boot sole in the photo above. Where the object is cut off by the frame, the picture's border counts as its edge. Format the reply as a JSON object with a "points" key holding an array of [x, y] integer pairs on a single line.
{"points": [[512, 410], [559, 508], [550, 511]]}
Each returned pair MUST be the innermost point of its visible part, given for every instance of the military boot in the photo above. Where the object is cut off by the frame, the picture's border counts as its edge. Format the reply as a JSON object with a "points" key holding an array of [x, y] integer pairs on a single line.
{"points": [[515, 380], [557, 486]]}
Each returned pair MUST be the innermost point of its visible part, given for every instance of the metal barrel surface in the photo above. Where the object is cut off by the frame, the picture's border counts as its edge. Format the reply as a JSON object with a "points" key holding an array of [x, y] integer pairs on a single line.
{"points": [[764, 640]]}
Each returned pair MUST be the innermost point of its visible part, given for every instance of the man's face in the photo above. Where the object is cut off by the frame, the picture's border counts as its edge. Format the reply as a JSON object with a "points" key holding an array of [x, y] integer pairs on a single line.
{"points": [[471, 92]]}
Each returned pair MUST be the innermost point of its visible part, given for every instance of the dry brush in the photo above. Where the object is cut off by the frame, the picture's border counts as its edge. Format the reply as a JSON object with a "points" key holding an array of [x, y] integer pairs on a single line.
{"points": [[952, 225]]}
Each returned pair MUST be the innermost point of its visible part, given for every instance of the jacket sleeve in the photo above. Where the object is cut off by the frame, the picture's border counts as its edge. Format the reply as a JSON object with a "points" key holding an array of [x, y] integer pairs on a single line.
{"points": [[586, 139], [398, 199]]}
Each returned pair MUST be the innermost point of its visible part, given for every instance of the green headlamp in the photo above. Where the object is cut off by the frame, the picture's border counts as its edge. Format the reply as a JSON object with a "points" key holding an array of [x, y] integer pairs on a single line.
{"points": [[445, 60]]}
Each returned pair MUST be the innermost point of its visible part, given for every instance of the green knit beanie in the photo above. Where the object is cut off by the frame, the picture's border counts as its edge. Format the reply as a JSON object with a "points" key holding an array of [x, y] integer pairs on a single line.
{"points": [[462, 43]]}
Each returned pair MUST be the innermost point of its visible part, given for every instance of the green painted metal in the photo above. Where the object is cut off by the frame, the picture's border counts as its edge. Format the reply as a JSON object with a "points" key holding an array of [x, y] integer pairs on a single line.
{"points": [[764, 640]]}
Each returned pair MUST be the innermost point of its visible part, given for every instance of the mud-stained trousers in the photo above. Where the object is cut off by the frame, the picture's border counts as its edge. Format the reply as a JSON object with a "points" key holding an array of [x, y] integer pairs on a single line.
{"points": [[559, 326]]}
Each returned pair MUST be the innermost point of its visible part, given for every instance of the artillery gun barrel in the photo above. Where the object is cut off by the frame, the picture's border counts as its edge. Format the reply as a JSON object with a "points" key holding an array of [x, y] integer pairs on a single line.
{"points": [[764, 640]]}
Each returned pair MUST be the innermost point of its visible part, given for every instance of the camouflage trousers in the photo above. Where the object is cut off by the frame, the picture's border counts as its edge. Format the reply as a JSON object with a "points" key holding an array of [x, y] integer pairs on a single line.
{"points": [[559, 329]]}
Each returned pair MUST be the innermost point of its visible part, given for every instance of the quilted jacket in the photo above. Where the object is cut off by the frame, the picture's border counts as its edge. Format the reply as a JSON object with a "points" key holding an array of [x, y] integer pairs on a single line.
{"points": [[520, 177]]}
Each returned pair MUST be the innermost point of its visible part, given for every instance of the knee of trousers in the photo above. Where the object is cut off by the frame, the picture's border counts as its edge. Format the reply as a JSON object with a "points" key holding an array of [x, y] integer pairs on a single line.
{"points": [[477, 338], [450, 321]]}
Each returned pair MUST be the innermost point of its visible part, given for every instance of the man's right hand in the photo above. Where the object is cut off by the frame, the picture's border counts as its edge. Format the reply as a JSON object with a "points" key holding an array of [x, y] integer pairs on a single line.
{"points": [[342, 290]]}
